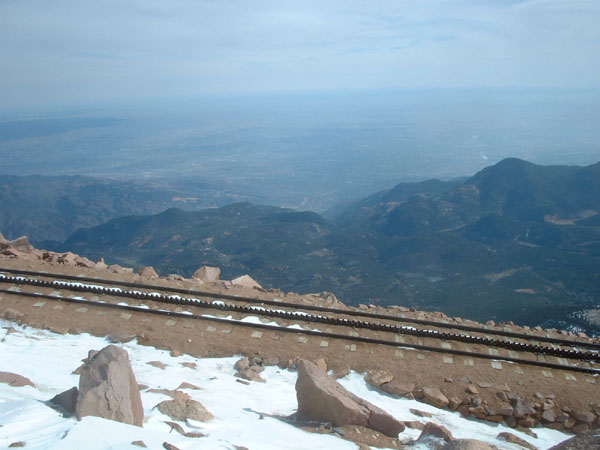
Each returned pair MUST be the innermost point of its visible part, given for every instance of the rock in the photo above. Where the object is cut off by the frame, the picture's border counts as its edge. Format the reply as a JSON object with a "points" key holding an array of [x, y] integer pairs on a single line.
{"points": [[472, 389], [419, 413], [207, 274], [580, 428], [17, 444], [322, 399], [100, 264], [548, 416], [433, 430], [67, 258], [414, 424], [434, 397], [108, 388], [82, 261], [158, 364], [250, 374], [168, 446], [589, 440], [20, 244], [115, 268], [175, 426], [395, 387], [139, 444], [245, 281], [494, 418], [378, 377], [468, 444], [12, 315], [15, 380], [67, 399], [242, 364], [186, 385], [528, 422], [321, 364], [521, 408], [505, 411], [148, 272], [454, 403], [583, 416], [120, 337], [183, 409], [509, 437]]}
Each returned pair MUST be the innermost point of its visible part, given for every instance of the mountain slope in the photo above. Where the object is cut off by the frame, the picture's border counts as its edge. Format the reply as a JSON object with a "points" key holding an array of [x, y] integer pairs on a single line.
{"points": [[514, 242], [52, 208]]}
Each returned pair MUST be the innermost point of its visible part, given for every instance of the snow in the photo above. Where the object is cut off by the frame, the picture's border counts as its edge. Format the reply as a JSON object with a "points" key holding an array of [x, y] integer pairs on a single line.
{"points": [[48, 358]]}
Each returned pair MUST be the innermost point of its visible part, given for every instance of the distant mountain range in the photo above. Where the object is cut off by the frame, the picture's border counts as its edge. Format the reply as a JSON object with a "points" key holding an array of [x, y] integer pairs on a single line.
{"points": [[53, 207], [517, 241]]}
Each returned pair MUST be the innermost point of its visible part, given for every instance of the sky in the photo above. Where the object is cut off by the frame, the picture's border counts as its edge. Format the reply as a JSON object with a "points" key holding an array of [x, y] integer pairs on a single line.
{"points": [[70, 52]]}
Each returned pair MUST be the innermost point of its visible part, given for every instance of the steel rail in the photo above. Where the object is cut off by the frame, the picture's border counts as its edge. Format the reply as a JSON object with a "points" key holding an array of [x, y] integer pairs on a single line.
{"points": [[177, 300], [530, 337], [361, 339]]}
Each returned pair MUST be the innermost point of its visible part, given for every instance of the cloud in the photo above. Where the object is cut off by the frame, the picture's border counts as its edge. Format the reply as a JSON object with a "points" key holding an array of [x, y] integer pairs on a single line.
{"points": [[77, 50]]}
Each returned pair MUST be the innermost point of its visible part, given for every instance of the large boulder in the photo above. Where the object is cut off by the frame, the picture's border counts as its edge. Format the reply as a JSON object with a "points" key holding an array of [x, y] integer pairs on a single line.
{"points": [[108, 388], [322, 399], [207, 274]]}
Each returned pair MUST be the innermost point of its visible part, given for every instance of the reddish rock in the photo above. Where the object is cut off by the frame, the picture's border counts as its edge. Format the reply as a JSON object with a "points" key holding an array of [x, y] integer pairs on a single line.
{"points": [[509, 437], [583, 416], [396, 387], [454, 403], [419, 413], [433, 430], [84, 262], [15, 380], [245, 281], [494, 418], [378, 377], [250, 374], [528, 422], [182, 409], [108, 388], [467, 444], [148, 272], [434, 397], [580, 428], [472, 390], [207, 274], [322, 399]]}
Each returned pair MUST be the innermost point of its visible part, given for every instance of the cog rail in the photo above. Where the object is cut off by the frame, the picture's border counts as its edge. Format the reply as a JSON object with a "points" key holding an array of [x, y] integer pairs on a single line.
{"points": [[530, 337], [574, 354], [184, 315]]}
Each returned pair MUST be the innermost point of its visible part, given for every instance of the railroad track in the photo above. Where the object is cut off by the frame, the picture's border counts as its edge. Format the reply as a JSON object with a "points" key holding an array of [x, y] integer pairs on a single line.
{"points": [[75, 284]]}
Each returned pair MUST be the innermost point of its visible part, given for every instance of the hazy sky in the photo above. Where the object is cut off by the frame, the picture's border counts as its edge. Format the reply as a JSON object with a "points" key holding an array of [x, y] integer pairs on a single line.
{"points": [[83, 51]]}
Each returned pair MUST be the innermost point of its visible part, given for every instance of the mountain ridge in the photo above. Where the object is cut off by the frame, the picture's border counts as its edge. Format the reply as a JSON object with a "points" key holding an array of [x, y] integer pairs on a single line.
{"points": [[445, 249]]}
